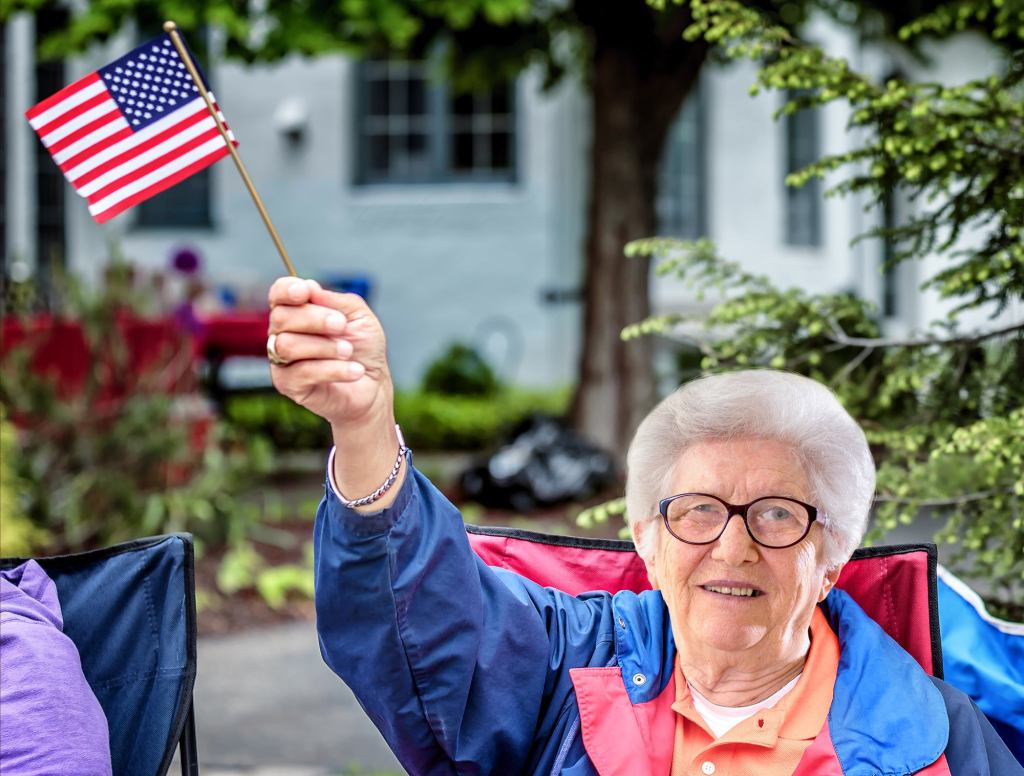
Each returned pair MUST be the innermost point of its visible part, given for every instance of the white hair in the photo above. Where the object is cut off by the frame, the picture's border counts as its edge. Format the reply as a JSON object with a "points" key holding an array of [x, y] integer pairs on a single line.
{"points": [[761, 404]]}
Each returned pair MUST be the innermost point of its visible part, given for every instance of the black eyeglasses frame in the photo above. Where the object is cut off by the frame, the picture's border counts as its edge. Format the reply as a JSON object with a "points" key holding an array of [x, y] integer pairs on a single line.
{"points": [[741, 510]]}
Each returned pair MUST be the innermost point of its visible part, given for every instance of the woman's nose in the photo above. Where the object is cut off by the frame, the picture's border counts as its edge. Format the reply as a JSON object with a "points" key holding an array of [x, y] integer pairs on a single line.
{"points": [[734, 546]]}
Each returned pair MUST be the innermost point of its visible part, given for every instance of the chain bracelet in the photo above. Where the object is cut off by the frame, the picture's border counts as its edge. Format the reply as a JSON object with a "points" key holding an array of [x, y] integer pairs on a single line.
{"points": [[386, 485]]}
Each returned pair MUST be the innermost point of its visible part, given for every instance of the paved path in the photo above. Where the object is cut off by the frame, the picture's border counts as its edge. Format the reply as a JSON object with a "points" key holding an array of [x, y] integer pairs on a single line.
{"points": [[266, 705]]}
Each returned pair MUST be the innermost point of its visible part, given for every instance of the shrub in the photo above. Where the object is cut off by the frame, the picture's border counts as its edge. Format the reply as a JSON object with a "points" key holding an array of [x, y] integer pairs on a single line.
{"points": [[460, 371], [118, 455], [18, 536], [432, 421], [429, 421]]}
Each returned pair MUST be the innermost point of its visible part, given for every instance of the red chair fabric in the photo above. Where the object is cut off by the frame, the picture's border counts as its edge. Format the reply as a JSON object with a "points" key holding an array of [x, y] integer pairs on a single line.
{"points": [[895, 585]]}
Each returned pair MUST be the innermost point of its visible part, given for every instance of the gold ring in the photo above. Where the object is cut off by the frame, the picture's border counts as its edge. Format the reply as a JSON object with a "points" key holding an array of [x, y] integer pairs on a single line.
{"points": [[272, 356]]}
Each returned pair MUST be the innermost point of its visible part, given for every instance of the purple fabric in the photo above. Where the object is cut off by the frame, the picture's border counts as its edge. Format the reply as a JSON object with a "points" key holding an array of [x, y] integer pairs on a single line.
{"points": [[50, 721]]}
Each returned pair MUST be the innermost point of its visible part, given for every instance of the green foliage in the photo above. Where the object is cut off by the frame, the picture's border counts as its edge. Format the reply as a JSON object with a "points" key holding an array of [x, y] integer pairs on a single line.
{"points": [[287, 425], [122, 457], [18, 536], [243, 568], [460, 371], [433, 421], [483, 41], [429, 421], [955, 151], [942, 411]]}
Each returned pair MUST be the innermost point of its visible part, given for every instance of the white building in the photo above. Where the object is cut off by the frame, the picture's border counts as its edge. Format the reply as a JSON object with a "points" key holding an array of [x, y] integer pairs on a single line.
{"points": [[465, 214]]}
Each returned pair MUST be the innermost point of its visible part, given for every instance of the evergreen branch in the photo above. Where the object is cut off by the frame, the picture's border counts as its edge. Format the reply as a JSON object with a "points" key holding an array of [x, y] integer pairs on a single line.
{"points": [[953, 501], [870, 343]]}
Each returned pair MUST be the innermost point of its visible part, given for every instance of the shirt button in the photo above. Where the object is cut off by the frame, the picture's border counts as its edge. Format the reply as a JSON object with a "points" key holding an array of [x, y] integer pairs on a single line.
{"points": [[708, 767], [639, 680]]}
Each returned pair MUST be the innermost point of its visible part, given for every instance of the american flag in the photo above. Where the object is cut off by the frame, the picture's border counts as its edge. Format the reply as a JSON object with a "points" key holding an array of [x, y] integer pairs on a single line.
{"points": [[130, 130]]}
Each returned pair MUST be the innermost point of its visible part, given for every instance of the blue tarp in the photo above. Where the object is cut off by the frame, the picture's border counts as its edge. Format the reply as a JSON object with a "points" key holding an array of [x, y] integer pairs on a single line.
{"points": [[984, 657]]}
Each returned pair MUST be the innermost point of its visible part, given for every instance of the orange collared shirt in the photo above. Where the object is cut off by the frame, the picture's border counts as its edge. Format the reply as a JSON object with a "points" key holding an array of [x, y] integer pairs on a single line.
{"points": [[772, 741]]}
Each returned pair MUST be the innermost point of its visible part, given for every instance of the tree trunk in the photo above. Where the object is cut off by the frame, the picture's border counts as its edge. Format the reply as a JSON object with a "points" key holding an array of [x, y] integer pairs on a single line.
{"points": [[632, 111]]}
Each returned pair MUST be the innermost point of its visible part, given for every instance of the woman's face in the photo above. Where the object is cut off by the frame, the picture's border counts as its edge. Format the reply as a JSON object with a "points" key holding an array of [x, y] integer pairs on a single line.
{"points": [[788, 582]]}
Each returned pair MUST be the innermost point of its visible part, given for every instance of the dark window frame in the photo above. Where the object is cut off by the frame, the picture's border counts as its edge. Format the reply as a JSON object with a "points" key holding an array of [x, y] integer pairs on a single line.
{"points": [[437, 125]]}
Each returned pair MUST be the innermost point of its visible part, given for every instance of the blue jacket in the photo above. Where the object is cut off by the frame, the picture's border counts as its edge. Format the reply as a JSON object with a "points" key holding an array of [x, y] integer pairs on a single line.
{"points": [[466, 669]]}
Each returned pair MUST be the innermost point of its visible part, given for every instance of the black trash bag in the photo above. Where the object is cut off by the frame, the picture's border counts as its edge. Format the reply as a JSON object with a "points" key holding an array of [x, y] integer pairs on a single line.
{"points": [[544, 465]]}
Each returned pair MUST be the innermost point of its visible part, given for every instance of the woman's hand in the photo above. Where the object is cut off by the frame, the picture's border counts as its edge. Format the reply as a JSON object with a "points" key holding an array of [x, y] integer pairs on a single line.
{"points": [[337, 367], [336, 353]]}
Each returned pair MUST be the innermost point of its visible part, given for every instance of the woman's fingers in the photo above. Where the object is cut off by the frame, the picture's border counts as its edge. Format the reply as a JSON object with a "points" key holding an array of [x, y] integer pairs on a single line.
{"points": [[291, 346], [306, 319], [350, 305], [291, 291], [299, 379]]}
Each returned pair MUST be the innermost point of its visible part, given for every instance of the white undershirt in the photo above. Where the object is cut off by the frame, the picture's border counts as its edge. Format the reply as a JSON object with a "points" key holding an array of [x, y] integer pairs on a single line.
{"points": [[722, 719]]}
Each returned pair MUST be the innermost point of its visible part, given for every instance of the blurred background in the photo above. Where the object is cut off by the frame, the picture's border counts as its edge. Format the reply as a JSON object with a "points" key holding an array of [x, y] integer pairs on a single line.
{"points": [[476, 170]]}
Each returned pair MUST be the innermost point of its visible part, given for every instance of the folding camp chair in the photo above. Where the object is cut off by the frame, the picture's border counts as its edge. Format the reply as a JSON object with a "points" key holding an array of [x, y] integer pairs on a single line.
{"points": [[130, 610], [895, 585]]}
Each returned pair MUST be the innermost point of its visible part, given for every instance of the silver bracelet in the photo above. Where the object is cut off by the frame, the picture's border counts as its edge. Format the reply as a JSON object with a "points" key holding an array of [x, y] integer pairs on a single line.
{"points": [[386, 485]]}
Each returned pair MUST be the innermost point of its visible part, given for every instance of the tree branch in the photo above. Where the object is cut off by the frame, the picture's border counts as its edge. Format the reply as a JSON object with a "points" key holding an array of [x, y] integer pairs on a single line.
{"points": [[966, 498], [841, 337]]}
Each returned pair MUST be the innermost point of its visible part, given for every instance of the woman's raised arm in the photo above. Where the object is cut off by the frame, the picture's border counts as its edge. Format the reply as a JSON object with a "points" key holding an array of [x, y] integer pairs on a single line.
{"points": [[336, 366], [462, 668]]}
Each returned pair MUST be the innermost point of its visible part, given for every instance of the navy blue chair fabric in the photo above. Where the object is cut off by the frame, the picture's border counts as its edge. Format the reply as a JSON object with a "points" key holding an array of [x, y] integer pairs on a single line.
{"points": [[130, 610]]}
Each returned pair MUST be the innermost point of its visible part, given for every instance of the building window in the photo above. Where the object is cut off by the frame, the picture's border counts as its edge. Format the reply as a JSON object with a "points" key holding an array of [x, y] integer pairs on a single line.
{"points": [[51, 232], [803, 205], [187, 203], [413, 129], [681, 203]]}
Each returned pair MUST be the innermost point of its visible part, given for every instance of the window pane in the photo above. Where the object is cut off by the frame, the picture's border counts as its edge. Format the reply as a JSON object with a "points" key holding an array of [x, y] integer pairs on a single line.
{"points": [[500, 102], [463, 105], [378, 157], [500, 146], [681, 196], [419, 158], [803, 205], [378, 98], [416, 92], [462, 151]]}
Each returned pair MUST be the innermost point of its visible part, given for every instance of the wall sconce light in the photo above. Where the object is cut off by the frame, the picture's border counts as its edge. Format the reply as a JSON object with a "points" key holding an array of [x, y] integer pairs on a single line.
{"points": [[292, 120]]}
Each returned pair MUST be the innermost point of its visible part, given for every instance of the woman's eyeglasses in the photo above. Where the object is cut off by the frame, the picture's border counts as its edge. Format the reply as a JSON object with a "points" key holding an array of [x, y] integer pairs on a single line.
{"points": [[771, 521]]}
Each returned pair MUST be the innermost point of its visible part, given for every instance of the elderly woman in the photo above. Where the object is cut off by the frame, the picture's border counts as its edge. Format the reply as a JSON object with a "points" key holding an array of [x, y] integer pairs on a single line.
{"points": [[747, 493]]}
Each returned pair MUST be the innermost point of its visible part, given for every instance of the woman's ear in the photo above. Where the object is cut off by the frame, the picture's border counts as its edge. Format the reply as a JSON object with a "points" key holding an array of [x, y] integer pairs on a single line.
{"points": [[646, 535], [831, 577]]}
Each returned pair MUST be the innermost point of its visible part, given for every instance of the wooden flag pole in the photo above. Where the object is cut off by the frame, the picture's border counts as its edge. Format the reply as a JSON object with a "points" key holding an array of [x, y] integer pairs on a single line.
{"points": [[172, 30]]}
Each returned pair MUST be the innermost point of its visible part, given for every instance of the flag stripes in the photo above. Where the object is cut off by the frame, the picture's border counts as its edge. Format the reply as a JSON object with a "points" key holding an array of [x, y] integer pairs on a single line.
{"points": [[125, 133]]}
